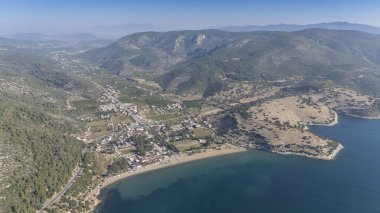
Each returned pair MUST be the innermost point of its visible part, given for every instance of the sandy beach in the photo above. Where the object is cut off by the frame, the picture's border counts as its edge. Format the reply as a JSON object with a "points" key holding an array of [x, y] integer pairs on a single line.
{"points": [[175, 160]]}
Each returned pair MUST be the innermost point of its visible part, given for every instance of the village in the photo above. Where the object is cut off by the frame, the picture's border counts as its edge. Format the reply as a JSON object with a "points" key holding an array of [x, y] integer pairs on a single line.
{"points": [[141, 141]]}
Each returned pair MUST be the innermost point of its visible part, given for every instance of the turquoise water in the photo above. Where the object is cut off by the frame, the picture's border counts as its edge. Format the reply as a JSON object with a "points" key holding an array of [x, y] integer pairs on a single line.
{"points": [[262, 182]]}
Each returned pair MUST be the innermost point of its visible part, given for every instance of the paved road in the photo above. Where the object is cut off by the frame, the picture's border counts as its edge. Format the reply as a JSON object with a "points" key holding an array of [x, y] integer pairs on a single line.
{"points": [[62, 192], [67, 186]]}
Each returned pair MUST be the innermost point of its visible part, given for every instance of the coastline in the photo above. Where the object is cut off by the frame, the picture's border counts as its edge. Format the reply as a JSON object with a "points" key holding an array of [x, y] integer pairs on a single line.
{"points": [[209, 153], [332, 156], [333, 123], [173, 161], [179, 159], [363, 117], [329, 157]]}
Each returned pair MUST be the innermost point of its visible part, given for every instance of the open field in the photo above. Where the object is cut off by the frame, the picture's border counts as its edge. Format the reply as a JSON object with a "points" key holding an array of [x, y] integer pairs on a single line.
{"points": [[294, 111], [186, 145], [281, 123], [172, 97], [209, 110], [148, 84], [125, 151], [98, 123], [85, 105], [201, 132], [193, 104], [162, 117], [98, 135], [122, 119]]}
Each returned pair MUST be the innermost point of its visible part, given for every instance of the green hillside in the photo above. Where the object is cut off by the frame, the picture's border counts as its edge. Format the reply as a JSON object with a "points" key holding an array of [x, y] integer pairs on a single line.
{"points": [[200, 62]]}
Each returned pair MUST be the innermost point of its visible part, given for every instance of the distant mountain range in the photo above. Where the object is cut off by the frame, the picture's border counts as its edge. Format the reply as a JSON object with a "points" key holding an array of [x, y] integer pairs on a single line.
{"points": [[60, 37], [201, 61], [44, 41], [118, 31], [92, 33], [290, 27]]}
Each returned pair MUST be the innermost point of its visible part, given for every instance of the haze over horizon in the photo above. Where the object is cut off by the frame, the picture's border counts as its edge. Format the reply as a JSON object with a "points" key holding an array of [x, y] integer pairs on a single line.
{"points": [[57, 17]]}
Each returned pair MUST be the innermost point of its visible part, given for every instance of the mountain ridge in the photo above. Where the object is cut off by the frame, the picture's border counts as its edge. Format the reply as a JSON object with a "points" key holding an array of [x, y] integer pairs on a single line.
{"points": [[196, 62], [298, 27]]}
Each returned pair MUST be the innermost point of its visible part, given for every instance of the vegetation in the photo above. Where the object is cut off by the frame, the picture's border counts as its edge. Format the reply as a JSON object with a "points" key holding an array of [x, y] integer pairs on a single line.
{"points": [[306, 87], [227, 123], [186, 145], [49, 154], [39, 131], [162, 117], [247, 56], [193, 103], [201, 132], [118, 166], [141, 142], [91, 172], [85, 105], [156, 100]]}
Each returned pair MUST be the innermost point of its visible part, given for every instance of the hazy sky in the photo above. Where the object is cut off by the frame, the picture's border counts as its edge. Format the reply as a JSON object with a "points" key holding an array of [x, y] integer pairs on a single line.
{"points": [[57, 16]]}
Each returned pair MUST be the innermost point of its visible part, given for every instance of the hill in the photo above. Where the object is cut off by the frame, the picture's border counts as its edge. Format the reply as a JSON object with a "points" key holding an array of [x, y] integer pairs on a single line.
{"points": [[200, 62], [37, 133], [154, 51]]}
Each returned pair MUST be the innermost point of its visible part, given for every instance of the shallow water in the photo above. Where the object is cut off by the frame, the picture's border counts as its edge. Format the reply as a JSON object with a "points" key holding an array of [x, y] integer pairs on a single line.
{"points": [[262, 182]]}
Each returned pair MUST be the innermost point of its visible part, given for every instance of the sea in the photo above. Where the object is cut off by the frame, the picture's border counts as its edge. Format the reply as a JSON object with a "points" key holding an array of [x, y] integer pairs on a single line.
{"points": [[262, 182]]}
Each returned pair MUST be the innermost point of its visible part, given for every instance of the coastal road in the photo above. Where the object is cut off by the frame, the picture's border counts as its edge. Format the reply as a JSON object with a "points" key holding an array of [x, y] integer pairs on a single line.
{"points": [[58, 196], [62, 192]]}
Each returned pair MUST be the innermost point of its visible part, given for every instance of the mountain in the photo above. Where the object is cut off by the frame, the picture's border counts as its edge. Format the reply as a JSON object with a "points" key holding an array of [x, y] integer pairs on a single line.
{"points": [[154, 51], [290, 27], [201, 62]]}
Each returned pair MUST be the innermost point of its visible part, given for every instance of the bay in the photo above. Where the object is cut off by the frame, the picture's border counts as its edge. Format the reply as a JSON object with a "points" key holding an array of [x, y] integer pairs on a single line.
{"points": [[257, 181]]}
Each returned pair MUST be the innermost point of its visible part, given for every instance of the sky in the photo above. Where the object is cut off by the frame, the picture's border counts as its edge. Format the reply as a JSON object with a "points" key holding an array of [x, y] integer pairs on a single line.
{"points": [[68, 16]]}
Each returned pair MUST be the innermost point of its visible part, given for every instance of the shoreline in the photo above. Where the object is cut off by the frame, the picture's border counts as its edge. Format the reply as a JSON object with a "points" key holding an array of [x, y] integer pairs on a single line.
{"points": [[173, 161], [182, 159], [329, 157], [332, 156], [208, 153], [333, 123], [363, 117]]}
